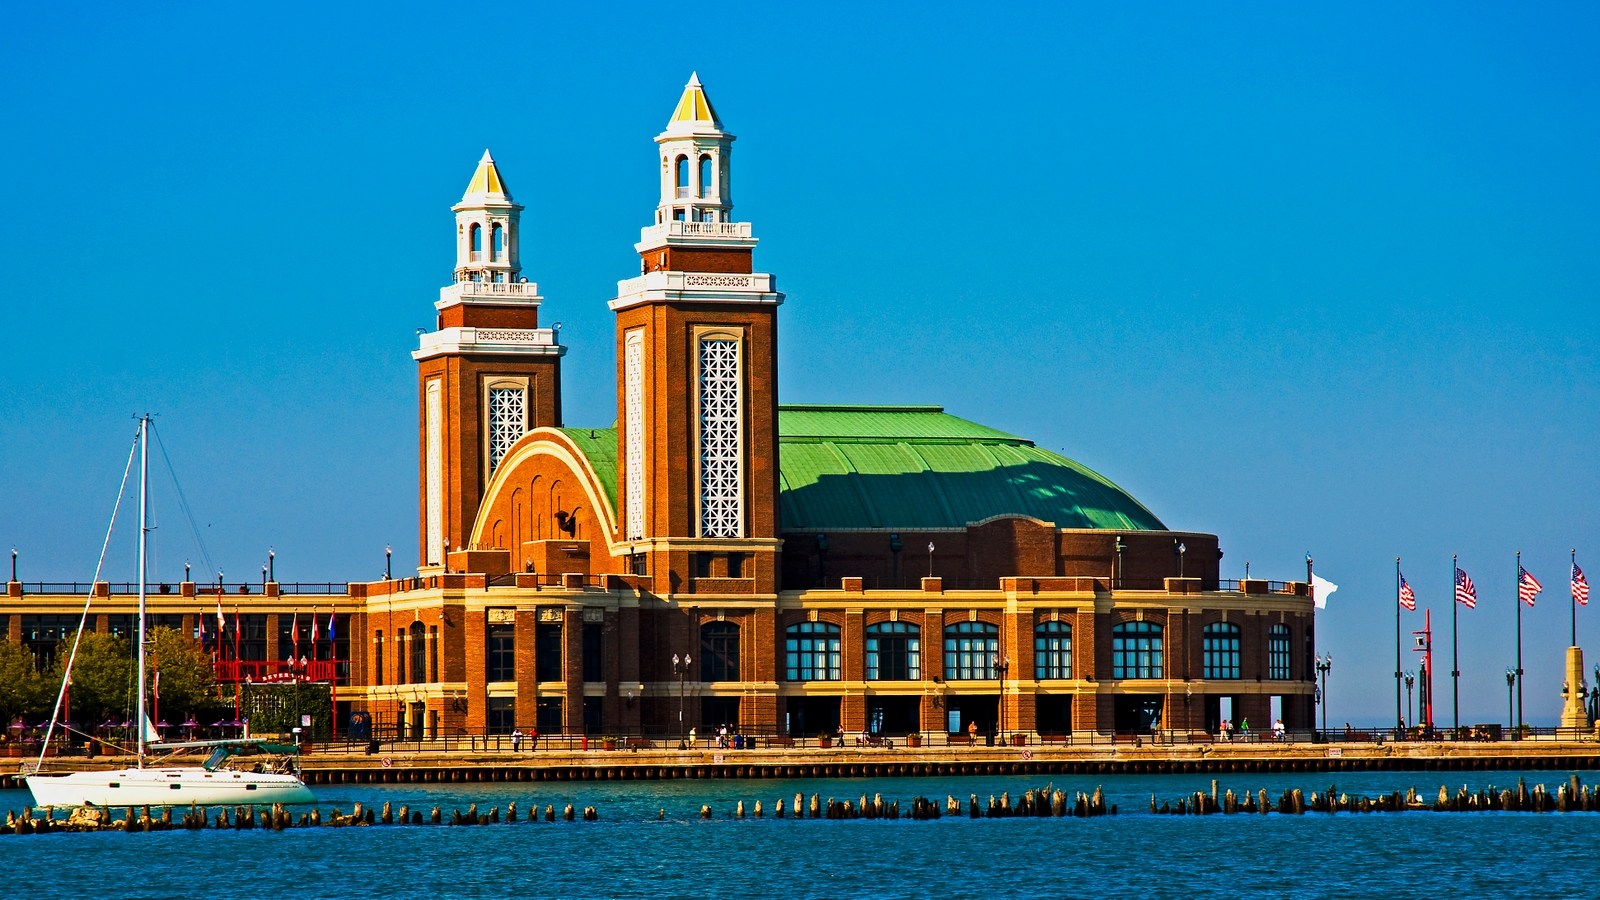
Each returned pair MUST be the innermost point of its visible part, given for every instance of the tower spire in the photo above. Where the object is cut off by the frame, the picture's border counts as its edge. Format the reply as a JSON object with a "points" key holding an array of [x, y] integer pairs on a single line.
{"points": [[487, 221]]}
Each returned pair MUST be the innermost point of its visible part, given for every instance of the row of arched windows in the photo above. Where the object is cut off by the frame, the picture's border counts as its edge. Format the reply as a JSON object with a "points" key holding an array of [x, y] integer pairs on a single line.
{"points": [[707, 176], [812, 651], [497, 242]]}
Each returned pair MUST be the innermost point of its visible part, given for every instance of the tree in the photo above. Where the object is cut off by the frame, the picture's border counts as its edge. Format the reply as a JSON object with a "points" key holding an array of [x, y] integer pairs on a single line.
{"points": [[188, 683], [102, 678], [22, 690]]}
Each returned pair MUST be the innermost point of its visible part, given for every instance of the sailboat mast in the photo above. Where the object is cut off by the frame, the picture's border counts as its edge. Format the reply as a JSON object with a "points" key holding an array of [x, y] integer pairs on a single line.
{"points": [[144, 504]]}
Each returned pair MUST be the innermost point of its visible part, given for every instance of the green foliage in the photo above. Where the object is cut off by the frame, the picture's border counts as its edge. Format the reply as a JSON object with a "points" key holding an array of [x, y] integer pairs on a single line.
{"points": [[277, 708], [22, 691], [188, 685], [102, 678]]}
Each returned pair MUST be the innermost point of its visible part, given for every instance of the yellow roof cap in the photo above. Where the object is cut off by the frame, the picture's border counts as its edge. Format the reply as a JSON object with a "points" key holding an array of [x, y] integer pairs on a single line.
{"points": [[487, 180], [694, 105]]}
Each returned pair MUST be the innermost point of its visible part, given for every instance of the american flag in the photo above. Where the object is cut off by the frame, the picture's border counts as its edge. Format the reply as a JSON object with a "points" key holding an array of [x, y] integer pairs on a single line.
{"points": [[1466, 594], [1580, 586], [1528, 586], [1408, 597]]}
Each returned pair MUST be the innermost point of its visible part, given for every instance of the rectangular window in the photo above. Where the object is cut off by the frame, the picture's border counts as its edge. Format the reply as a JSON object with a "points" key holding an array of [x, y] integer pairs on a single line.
{"points": [[633, 423], [702, 565], [894, 652], [377, 658], [502, 715], [1052, 651], [434, 414], [433, 653], [593, 660], [252, 636], [1278, 654], [1220, 645], [508, 420], [502, 653], [1136, 650], [739, 565], [549, 715], [811, 652], [721, 456], [970, 651], [547, 651]]}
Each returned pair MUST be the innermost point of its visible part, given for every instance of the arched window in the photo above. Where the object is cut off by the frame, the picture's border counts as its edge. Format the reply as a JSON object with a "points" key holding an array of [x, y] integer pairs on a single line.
{"points": [[894, 652], [1136, 650], [497, 242], [970, 651], [1221, 650], [811, 652], [1278, 654], [683, 176], [475, 238], [719, 651], [419, 652], [1052, 650], [706, 183]]}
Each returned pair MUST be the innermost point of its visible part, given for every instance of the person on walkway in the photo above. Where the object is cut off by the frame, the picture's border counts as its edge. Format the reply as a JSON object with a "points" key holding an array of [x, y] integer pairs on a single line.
{"points": [[516, 740], [1244, 728], [533, 739], [972, 733], [691, 738]]}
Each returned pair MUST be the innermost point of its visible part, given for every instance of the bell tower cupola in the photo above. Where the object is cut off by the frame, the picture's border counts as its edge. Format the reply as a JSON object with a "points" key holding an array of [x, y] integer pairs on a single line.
{"points": [[695, 158], [486, 228]]}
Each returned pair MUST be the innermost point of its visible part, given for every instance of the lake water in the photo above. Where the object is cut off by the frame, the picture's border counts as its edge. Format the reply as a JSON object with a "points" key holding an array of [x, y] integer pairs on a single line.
{"points": [[630, 852]]}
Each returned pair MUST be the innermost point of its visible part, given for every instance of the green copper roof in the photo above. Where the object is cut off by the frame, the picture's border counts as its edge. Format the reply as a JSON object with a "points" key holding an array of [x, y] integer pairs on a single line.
{"points": [[913, 467], [600, 446]]}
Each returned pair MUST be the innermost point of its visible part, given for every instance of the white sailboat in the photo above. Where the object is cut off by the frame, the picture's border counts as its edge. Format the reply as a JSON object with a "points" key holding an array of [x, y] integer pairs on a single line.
{"points": [[217, 782]]}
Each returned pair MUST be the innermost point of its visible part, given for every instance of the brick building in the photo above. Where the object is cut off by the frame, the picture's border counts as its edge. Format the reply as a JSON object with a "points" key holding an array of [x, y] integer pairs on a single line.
{"points": [[715, 558]]}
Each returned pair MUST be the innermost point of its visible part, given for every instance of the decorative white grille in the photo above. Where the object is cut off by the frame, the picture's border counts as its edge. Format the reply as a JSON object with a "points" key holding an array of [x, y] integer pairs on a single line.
{"points": [[633, 391], [507, 421], [433, 552], [720, 457]]}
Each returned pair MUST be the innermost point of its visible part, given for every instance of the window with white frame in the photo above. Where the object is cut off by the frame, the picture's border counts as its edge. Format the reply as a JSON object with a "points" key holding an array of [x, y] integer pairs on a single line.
{"points": [[508, 420], [435, 457], [721, 478], [633, 401]]}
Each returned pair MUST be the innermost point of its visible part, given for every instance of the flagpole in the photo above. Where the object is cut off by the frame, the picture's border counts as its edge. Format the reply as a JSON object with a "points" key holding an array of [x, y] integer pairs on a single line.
{"points": [[1455, 649], [1518, 598], [1573, 595], [1399, 716]]}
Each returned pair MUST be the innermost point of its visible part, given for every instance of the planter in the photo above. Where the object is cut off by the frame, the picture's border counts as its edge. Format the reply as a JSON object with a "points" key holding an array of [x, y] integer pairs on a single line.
{"points": [[914, 741], [1019, 740], [825, 742], [609, 744], [14, 751]]}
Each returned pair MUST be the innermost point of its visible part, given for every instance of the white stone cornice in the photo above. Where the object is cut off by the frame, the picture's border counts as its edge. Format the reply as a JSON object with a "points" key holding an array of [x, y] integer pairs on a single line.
{"points": [[523, 293], [697, 287], [695, 234], [489, 341]]}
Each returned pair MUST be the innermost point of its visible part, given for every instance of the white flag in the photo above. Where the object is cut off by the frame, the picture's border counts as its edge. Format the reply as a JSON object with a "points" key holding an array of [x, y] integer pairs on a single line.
{"points": [[1321, 590]]}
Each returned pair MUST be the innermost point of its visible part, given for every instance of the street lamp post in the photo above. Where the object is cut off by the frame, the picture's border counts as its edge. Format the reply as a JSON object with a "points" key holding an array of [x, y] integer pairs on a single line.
{"points": [[1511, 700], [1001, 668], [1324, 664], [1411, 679], [680, 667], [388, 571]]}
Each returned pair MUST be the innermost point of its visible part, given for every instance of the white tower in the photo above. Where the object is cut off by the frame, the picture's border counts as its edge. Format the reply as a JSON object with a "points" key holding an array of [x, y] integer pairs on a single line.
{"points": [[486, 228], [695, 156]]}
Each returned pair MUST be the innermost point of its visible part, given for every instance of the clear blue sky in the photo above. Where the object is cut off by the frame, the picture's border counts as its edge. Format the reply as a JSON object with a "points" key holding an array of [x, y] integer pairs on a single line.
{"points": [[1310, 280]]}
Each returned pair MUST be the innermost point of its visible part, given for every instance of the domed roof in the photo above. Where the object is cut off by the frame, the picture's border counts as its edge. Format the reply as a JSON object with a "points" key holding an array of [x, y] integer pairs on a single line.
{"points": [[911, 468], [917, 467]]}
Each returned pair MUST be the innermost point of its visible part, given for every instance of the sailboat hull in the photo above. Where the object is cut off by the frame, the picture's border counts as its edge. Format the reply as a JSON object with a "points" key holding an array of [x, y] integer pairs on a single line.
{"points": [[179, 786]]}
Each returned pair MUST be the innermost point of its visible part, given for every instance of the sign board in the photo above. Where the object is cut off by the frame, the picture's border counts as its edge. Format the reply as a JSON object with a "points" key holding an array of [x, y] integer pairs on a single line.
{"points": [[305, 721], [1335, 751]]}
